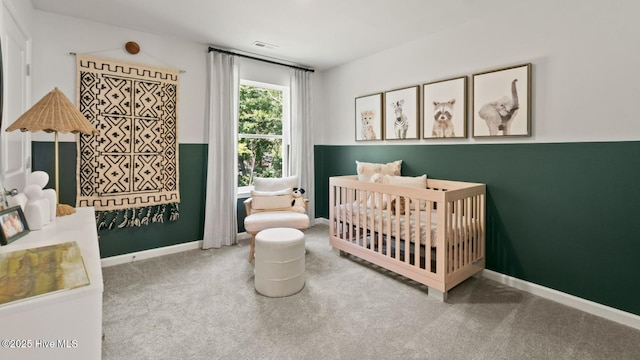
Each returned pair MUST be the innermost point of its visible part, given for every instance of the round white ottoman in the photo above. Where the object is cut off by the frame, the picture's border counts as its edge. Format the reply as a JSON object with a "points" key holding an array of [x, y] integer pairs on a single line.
{"points": [[279, 262]]}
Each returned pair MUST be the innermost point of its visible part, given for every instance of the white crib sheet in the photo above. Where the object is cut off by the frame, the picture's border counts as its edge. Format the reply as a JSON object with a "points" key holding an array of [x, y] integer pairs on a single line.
{"points": [[348, 213]]}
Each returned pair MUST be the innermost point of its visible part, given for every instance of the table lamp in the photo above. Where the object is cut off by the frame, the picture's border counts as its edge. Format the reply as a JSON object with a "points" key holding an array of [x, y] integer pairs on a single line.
{"points": [[54, 113]]}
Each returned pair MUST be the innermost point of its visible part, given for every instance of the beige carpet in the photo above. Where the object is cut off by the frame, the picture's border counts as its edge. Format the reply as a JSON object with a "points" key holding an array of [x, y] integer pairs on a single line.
{"points": [[202, 305]]}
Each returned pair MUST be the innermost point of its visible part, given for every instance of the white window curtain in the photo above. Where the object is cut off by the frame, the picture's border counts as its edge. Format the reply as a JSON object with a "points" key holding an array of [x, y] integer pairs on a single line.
{"points": [[301, 158], [221, 222]]}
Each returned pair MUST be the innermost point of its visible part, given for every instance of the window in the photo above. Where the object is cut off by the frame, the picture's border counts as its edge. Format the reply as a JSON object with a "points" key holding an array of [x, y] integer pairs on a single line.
{"points": [[263, 118]]}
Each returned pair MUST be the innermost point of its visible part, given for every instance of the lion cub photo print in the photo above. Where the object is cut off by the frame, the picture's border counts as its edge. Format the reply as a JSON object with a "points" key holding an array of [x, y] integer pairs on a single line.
{"points": [[368, 117], [500, 103], [401, 113], [444, 109]]}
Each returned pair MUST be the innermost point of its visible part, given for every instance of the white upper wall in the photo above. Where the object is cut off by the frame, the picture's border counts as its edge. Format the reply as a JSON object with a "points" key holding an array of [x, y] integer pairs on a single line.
{"points": [[55, 36], [585, 78], [22, 11]]}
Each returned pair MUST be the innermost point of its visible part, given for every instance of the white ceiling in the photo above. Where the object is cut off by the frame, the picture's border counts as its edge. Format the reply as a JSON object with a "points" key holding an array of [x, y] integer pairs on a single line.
{"points": [[316, 33]]}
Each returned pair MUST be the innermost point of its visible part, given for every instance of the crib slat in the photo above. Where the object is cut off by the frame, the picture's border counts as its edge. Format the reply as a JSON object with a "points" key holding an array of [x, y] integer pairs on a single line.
{"points": [[478, 227], [449, 239], [337, 193], [427, 241], [377, 219], [374, 218], [482, 225], [366, 232], [416, 229], [355, 216], [396, 220], [349, 199], [467, 234], [370, 215], [407, 230], [380, 223], [459, 240], [470, 225], [473, 229], [465, 231], [456, 239], [333, 212], [388, 228]]}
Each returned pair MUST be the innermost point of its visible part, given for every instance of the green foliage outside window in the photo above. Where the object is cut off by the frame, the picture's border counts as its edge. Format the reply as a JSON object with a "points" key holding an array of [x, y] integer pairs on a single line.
{"points": [[260, 114]]}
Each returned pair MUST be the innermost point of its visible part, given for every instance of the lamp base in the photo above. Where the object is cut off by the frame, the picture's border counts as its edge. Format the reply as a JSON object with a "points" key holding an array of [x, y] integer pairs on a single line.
{"points": [[64, 209]]}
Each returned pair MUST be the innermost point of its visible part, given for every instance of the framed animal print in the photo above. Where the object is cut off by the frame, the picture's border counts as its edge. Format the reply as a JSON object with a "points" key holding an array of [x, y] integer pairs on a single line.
{"points": [[445, 109], [402, 113], [502, 102], [369, 117]]}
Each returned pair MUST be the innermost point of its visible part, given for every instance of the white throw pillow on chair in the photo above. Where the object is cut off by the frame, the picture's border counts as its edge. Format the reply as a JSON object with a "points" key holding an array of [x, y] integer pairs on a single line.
{"points": [[271, 200], [275, 184]]}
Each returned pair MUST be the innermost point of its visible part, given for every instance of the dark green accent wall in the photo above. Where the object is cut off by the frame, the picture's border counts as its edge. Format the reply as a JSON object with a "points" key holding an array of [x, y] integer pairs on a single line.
{"points": [[564, 216], [559, 215], [189, 227]]}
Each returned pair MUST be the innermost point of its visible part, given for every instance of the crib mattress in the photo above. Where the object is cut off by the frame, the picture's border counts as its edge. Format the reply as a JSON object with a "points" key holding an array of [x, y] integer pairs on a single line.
{"points": [[348, 214]]}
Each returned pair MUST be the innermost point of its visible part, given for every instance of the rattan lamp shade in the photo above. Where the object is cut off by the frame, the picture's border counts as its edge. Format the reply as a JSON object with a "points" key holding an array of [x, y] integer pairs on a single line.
{"points": [[53, 113]]}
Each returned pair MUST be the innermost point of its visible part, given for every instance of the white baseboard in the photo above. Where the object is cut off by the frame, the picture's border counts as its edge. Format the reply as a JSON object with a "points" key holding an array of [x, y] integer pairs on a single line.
{"points": [[151, 253], [322, 221], [587, 306]]}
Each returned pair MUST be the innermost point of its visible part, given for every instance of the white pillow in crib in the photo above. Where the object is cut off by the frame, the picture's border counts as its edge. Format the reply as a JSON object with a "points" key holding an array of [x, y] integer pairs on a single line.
{"points": [[275, 184], [366, 170], [419, 182], [408, 181]]}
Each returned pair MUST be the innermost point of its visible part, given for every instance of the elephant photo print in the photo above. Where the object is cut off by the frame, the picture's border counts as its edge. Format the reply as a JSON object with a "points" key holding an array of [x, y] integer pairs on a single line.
{"points": [[502, 102]]}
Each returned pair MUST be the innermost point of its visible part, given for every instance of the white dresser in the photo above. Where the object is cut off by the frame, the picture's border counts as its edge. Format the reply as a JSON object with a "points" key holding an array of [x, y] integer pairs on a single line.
{"points": [[60, 325]]}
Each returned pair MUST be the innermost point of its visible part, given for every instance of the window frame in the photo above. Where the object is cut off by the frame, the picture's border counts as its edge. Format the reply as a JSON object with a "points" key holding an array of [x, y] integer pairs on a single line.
{"points": [[245, 191]]}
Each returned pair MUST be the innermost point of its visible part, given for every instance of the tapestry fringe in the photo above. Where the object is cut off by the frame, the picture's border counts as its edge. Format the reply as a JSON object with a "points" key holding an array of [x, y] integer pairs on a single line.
{"points": [[137, 217], [145, 219], [175, 212], [101, 220], [124, 220]]}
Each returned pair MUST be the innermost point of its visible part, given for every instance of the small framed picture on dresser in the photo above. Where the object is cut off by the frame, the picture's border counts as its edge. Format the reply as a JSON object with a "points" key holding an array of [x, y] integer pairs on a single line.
{"points": [[13, 225]]}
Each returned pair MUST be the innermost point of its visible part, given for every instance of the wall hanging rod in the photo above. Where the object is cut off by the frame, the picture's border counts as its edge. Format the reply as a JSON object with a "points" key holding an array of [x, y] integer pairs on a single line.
{"points": [[259, 59], [180, 70]]}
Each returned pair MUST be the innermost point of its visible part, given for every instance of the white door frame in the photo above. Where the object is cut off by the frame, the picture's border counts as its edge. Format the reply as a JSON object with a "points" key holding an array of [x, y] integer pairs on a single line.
{"points": [[15, 147]]}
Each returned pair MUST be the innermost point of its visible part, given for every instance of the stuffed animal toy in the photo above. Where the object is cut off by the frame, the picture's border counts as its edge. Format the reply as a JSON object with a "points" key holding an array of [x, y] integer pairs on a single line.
{"points": [[297, 204], [398, 207]]}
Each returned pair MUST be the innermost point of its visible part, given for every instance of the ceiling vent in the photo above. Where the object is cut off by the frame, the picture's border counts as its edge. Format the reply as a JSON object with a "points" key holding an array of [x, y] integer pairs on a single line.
{"points": [[263, 45]]}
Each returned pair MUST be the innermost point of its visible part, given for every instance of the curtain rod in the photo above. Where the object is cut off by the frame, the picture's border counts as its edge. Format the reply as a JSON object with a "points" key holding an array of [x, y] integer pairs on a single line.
{"points": [[259, 59]]}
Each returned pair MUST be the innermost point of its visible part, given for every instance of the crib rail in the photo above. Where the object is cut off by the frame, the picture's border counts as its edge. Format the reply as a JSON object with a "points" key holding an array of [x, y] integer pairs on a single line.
{"points": [[437, 240]]}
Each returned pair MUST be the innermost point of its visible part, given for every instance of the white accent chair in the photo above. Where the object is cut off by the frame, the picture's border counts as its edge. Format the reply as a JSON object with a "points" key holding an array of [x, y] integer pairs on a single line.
{"points": [[270, 207]]}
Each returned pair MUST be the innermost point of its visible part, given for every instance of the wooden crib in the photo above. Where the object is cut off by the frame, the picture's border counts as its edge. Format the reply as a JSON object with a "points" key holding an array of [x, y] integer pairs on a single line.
{"points": [[438, 241]]}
